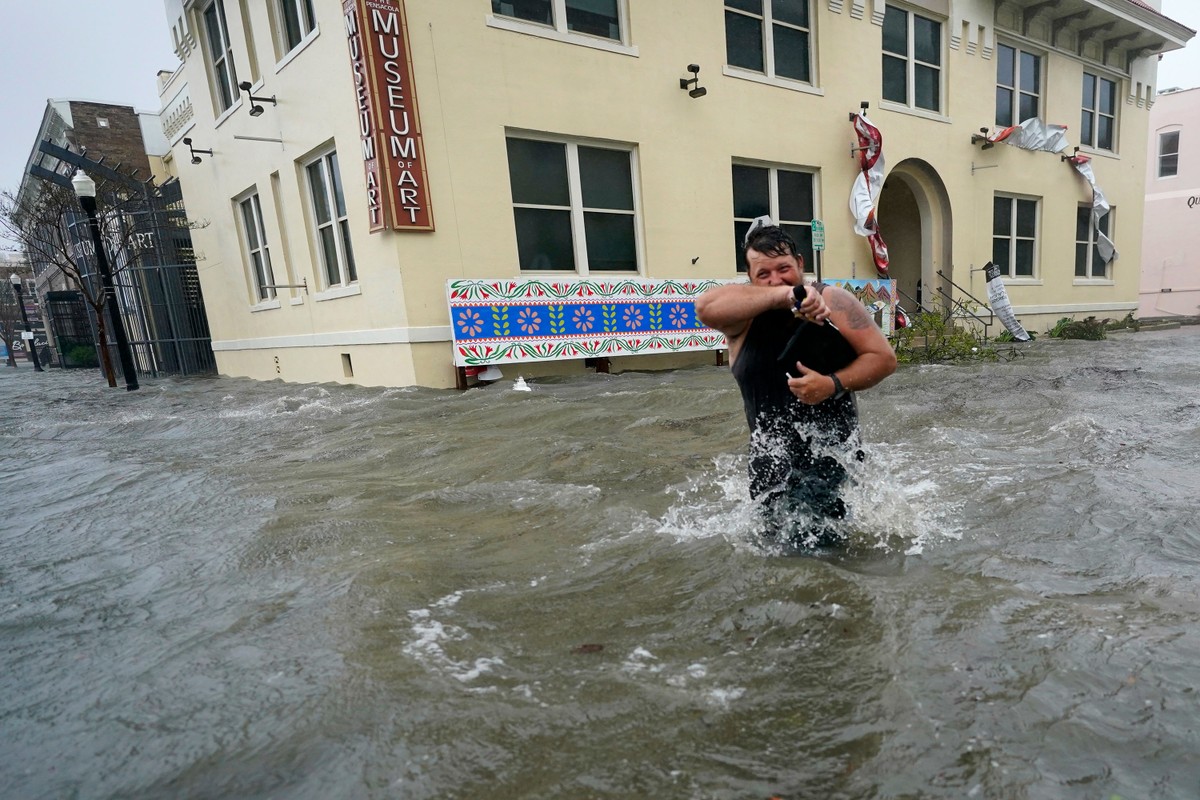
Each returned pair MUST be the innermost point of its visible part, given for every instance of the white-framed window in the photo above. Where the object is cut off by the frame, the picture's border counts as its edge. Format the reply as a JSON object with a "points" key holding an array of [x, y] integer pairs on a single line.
{"points": [[574, 205], [1168, 154], [1014, 235], [330, 221], [1088, 261], [787, 194], [221, 72], [602, 18], [773, 37], [254, 240], [1018, 85], [1098, 124], [912, 59], [297, 21]]}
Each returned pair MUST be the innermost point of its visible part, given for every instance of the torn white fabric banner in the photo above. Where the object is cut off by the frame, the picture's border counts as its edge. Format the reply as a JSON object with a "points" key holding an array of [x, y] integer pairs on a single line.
{"points": [[1033, 134], [1104, 245]]}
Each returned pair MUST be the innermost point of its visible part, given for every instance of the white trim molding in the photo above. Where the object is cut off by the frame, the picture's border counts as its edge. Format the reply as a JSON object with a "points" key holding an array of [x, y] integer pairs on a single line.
{"points": [[546, 32], [977, 16], [1071, 308], [410, 335]]}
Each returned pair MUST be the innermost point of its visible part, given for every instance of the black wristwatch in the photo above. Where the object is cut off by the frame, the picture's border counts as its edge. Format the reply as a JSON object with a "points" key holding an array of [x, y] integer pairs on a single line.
{"points": [[838, 389]]}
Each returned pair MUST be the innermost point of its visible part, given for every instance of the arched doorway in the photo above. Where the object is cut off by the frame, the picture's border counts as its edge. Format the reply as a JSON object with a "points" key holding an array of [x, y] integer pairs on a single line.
{"points": [[915, 222]]}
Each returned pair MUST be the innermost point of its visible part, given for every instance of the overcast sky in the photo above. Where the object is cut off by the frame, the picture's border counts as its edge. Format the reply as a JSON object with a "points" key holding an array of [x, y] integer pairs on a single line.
{"points": [[79, 50], [111, 52]]}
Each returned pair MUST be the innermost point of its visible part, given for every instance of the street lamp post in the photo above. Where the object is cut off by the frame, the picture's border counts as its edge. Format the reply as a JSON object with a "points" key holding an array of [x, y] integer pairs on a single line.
{"points": [[85, 189], [33, 356]]}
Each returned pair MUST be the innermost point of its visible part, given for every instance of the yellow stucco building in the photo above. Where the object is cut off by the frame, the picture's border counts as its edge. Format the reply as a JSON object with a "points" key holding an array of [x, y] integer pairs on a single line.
{"points": [[364, 165]]}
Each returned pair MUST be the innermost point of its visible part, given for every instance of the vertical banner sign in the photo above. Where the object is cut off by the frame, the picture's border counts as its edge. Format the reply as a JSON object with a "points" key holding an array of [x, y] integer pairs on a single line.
{"points": [[998, 297], [388, 123]]}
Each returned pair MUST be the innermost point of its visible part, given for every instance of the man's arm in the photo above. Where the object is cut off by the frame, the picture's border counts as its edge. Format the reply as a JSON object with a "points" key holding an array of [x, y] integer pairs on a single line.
{"points": [[876, 360], [730, 308]]}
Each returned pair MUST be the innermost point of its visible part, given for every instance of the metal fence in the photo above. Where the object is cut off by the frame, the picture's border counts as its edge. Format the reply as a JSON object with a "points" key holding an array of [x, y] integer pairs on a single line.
{"points": [[156, 280], [71, 329], [159, 293]]}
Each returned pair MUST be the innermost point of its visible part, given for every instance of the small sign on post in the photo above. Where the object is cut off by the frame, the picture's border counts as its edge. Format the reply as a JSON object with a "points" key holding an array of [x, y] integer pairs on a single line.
{"points": [[818, 244], [818, 234], [27, 335]]}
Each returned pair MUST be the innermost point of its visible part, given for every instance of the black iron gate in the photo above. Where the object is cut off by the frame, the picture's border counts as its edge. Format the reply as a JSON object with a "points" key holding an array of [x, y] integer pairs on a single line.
{"points": [[160, 293], [71, 328], [157, 285]]}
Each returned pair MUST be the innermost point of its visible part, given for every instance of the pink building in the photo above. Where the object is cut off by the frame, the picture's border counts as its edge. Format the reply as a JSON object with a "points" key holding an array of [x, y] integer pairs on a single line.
{"points": [[1170, 283]]}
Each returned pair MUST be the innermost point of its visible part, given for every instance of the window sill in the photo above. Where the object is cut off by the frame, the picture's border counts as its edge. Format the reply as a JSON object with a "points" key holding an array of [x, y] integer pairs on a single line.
{"points": [[265, 305], [1021, 281], [571, 273], [229, 112], [1093, 282], [888, 105], [292, 54], [544, 32], [334, 292], [1091, 151], [782, 83]]}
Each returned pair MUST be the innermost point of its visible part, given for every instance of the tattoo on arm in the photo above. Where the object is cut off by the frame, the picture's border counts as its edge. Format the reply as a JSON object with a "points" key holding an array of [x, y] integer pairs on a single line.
{"points": [[856, 312]]}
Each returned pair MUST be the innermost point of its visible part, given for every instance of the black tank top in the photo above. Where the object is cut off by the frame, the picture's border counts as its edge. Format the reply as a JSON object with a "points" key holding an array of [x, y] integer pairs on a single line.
{"points": [[760, 373]]}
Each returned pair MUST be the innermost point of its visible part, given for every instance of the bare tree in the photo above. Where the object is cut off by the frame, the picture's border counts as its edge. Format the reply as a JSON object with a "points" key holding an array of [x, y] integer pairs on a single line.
{"points": [[52, 229]]}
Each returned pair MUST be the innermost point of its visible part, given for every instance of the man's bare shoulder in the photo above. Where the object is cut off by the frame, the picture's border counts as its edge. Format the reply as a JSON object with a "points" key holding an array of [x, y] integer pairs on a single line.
{"points": [[849, 310]]}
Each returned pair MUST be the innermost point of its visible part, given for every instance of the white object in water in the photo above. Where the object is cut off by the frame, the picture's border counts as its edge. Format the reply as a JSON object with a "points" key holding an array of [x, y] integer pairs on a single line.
{"points": [[492, 373], [519, 385]]}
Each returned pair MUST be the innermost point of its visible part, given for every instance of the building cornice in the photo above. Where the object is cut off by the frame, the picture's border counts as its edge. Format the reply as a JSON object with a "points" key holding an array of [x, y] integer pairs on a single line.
{"points": [[1118, 19]]}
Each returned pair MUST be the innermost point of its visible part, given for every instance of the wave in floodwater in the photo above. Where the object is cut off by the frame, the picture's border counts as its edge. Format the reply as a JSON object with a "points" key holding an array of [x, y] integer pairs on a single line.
{"points": [[222, 588]]}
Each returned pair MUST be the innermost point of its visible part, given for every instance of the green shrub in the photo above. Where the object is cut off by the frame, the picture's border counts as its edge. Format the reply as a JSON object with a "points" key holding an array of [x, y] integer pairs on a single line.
{"points": [[1128, 321], [1006, 337], [931, 338], [1091, 329], [83, 355], [1056, 331]]}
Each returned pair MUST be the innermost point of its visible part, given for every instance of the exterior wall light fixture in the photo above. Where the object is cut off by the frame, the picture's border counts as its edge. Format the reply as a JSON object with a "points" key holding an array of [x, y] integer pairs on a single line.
{"points": [[694, 81], [195, 153], [982, 140], [255, 109]]}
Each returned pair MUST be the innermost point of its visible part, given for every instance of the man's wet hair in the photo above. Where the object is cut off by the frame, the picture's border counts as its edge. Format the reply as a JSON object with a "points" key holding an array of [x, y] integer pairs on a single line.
{"points": [[770, 240]]}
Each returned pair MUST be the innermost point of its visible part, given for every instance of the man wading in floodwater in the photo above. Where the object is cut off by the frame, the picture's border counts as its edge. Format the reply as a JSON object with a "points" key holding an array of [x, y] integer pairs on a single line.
{"points": [[798, 354]]}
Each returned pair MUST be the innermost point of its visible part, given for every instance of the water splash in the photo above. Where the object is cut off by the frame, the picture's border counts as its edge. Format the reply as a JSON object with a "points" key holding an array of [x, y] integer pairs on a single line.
{"points": [[714, 502], [896, 504]]}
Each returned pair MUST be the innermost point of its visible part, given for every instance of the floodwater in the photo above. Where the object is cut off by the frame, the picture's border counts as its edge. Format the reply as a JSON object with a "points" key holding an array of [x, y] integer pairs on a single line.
{"points": [[215, 588]]}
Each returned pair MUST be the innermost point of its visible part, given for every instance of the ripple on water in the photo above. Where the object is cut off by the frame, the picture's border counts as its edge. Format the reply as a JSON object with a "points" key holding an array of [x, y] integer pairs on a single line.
{"points": [[225, 588]]}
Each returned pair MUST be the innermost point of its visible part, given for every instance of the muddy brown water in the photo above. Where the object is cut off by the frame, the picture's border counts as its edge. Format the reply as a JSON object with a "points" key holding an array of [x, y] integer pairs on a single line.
{"points": [[216, 588]]}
